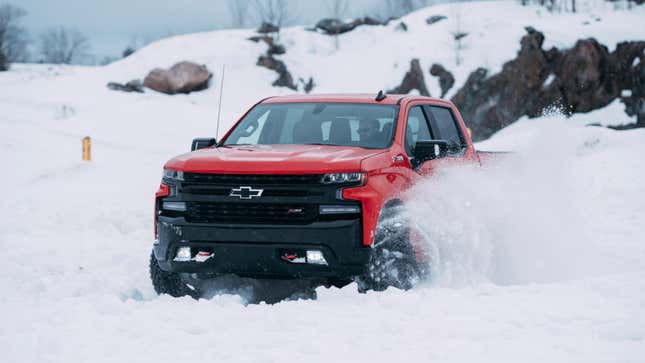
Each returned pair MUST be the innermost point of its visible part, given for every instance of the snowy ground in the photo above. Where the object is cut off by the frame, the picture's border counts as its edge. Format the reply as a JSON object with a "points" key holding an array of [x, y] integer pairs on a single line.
{"points": [[538, 259]]}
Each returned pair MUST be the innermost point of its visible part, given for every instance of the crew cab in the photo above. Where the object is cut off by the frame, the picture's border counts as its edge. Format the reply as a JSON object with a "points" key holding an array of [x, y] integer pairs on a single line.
{"points": [[305, 187]]}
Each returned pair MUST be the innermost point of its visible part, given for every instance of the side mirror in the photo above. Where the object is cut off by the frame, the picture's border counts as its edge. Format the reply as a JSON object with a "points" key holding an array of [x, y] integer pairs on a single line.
{"points": [[202, 143], [430, 149]]}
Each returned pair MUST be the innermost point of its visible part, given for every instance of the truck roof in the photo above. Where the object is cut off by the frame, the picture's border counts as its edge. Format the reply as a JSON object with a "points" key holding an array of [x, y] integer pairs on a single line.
{"points": [[390, 99]]}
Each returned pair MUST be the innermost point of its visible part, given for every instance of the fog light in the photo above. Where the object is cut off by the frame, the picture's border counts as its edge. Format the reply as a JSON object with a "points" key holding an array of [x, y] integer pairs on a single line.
{"points": [[183, 254], [175, 206], [316, 257], [339, 209]]}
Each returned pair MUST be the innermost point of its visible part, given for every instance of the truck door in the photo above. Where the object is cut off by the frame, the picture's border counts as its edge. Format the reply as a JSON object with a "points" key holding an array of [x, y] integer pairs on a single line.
{"points": [[430, 122]]}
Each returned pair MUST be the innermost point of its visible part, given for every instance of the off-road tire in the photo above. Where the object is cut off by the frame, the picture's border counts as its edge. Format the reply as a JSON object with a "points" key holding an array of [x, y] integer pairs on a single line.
{"points": [[393, 261], [170, 283]]}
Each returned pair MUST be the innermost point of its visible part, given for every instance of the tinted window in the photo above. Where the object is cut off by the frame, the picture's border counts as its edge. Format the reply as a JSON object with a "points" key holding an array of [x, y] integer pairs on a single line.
{"points": [[446, 124], [416, 129], [362, 125]]}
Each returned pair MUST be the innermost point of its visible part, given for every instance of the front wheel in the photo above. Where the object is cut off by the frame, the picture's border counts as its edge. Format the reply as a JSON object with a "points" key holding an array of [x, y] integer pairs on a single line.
{"points": [[393, 260], [170, 283]]}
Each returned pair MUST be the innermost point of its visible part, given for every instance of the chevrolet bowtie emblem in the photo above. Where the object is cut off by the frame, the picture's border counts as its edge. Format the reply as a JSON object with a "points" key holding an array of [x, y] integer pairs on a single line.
{"points": [[246, 192]]}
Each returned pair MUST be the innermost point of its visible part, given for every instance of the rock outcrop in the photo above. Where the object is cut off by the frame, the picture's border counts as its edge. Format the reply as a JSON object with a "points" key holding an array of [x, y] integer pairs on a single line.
{"points": [[435, 19], [308, 85], [284, 77], [267, 60], [4, 62], [413, 80], [581, 79], [446, 79], [183, 77], [134, 85], [401, 27], [266, 28], [630, 58], [332, 26], [274, 48]]}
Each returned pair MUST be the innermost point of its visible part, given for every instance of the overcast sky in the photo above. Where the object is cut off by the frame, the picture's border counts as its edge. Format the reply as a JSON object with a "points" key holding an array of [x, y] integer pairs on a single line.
{"points": [[112, 24]]}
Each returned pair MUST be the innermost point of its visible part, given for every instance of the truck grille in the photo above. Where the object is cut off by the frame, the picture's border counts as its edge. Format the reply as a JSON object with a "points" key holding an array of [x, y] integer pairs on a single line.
{"points": [[252, 179], [203, 189], [208, 212]]}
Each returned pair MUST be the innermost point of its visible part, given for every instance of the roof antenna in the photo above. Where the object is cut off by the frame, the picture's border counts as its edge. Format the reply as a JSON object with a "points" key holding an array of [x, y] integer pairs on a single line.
{"points": [[380, 96], [219, 109]]}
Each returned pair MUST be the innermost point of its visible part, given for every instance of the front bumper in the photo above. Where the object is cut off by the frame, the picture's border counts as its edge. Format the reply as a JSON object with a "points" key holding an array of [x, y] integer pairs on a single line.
{"points": [[256, 250]]}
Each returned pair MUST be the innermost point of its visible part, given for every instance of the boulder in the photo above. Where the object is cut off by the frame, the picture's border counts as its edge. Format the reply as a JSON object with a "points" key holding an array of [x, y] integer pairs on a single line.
{"points": [[257, 38], [134, 85], [368, 20], [307, 86], [274, 48], [335, 26], [630, 59], [435, 19], [446, 79], [183, 77], [4, 62], [583, 76], [401, 27], [459, 35], [266, 28], [413, 80], [332, 26], [128, 51]]}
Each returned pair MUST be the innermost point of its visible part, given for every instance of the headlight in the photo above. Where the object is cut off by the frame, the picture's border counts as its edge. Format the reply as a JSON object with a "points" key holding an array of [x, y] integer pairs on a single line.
{"points": [[173, 174], [344, 178]]}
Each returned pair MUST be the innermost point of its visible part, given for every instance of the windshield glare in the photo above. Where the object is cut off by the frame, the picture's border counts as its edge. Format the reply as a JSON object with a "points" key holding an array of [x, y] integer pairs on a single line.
{"points": [[345, 124]]}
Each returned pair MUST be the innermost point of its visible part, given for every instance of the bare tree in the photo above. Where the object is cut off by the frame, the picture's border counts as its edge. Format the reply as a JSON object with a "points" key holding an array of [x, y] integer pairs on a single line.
{"points": [[239, 11], [458, 34], [398, 8], [557, 6], [338, 10], [64, 46], [276, 12], [13, 37]]}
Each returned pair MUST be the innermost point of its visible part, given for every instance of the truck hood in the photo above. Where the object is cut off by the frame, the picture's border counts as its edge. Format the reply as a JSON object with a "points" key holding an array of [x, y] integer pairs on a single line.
{"points": [[278, 159]]}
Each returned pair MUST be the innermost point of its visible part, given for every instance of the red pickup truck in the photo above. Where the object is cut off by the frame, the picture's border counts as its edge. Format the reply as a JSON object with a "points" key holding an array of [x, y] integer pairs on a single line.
{"points": [[307, 187]]}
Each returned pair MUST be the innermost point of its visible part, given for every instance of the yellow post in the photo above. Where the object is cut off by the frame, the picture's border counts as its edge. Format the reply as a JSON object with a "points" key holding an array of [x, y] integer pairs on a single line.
{"points": [[87, 149]]}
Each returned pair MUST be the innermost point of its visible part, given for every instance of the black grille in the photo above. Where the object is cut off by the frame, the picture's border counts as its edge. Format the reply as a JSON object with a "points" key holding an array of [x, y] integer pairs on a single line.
{"points": [[226, 191], [254, 179], [207, 212]]}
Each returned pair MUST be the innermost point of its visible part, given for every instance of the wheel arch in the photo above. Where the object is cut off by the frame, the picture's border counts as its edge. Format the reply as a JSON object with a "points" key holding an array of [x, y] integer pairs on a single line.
{"points": [[390, 206]]}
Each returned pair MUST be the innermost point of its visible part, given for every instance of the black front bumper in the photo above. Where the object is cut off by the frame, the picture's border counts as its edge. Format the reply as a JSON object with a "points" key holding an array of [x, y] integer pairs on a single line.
{"points": [[257, 250]]}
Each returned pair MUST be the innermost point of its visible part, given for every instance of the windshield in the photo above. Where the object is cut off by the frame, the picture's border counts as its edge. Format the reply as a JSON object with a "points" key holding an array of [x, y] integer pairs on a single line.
{"points": [[344, 124]]}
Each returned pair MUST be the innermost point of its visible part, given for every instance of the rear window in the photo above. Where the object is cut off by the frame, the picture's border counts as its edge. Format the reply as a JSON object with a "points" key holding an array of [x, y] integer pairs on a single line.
{"points": [[446, 124]]}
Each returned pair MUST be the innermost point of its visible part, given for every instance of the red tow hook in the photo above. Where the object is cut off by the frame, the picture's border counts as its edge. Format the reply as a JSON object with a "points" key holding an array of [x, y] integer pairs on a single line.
{"points": [[293, 258], [203, 256]]}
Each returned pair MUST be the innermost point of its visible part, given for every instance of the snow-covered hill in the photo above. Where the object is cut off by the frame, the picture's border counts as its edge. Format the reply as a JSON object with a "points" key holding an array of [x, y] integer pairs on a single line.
{"points": [[537, 259]]}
